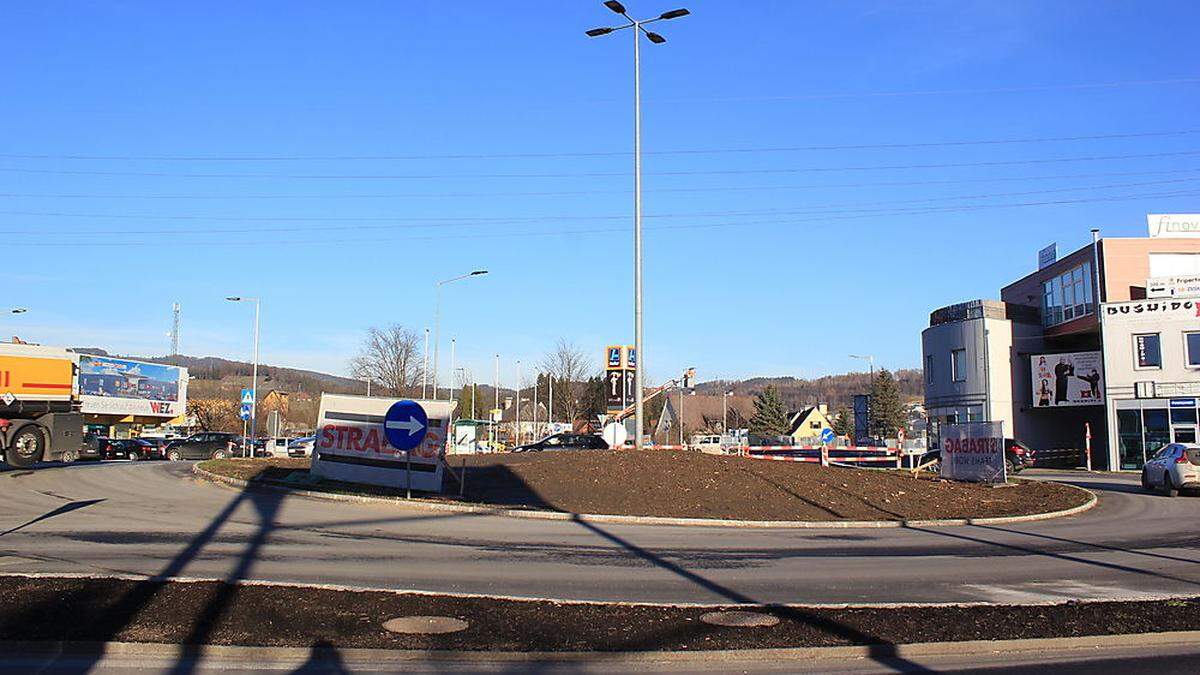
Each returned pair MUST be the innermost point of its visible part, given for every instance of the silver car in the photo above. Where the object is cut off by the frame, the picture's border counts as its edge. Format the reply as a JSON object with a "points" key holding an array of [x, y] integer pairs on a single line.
{"points": [[1176, 467]]}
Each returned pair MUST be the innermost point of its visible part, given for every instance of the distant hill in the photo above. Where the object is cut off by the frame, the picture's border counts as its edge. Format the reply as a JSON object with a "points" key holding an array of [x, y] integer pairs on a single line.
{"points": [[836, 390]]}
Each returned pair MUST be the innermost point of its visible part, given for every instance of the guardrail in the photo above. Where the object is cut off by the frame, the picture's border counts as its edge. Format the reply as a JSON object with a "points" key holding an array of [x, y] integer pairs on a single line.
{"points": [[825, 456]]}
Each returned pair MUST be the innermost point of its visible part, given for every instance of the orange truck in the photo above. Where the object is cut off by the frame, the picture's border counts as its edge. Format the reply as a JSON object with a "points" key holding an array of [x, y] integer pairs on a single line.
{"points": [[39, 404]]}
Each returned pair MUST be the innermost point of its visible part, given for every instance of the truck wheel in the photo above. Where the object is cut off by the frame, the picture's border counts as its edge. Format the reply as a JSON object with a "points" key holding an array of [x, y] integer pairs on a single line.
{"points": [[27, 447]]}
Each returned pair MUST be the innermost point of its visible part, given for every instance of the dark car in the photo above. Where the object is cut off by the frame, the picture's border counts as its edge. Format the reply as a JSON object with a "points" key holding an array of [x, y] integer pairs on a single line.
{"points": [[205, 445], [1017, 456], [565, 441], [128, 448]]}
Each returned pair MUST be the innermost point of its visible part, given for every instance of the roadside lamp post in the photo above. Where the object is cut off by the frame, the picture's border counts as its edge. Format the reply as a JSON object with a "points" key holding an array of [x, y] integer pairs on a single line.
{"points": [[254, 380], [639, 27], [425, 366], [437, 321], [725, 411], [870, 359]]}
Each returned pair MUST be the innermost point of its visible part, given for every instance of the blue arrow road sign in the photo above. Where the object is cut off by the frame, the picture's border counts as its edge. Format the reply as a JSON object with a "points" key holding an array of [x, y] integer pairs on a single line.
{"points": [[827, 436], [245, 411], [405, 425]]}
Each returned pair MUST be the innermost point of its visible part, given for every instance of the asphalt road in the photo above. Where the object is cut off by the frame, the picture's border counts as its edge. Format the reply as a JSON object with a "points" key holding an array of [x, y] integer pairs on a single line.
{"points": [[154, 518]]}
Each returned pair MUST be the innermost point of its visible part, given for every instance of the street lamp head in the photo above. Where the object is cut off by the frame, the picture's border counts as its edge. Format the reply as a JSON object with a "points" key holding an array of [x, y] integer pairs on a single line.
{"points": [[233, 298], [674, 14], [615, 6], [655, 37], [597, 32], [19, 310], [478, 272]]}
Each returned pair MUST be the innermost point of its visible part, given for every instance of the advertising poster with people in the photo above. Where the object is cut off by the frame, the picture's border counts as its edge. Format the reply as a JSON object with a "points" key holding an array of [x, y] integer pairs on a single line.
{"points": [[1072, 379]]}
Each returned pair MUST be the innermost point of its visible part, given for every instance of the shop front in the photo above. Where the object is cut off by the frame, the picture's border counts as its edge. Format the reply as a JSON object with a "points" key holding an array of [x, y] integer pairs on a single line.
{"points": [[1144, 426]]}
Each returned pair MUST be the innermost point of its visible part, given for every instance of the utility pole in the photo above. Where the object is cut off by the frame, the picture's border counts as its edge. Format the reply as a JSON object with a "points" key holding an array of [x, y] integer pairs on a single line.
{"points": [[518, 428], [175, 330], [638, 27], [425, 368], [496, 391]]}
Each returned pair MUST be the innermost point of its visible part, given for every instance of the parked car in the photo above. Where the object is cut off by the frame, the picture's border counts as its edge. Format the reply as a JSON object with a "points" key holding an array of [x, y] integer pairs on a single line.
{"points": [[565, 441], [1017, 456], [129, 448], [205, 445], [1175, 467], [301, 447]]}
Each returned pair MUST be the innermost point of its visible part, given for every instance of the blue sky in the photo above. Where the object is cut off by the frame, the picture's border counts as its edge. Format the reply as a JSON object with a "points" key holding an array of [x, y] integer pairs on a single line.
{"points": [[165, 152]]}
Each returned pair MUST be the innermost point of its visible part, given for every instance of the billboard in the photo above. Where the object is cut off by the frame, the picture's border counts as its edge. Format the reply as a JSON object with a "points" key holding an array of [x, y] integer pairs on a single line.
{"points": [[1173, 224], [973, 451], [352, 443], [1065, 380], [110, 386]]}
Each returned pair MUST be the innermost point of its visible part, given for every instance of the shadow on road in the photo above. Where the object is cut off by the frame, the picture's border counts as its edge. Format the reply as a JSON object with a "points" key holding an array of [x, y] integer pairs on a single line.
{"points": [[65, 508]]}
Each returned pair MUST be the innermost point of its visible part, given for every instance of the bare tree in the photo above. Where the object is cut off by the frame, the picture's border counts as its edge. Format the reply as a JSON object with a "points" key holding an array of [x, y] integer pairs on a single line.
{"points": [[390, 357], [570, 369], [214, 414]]}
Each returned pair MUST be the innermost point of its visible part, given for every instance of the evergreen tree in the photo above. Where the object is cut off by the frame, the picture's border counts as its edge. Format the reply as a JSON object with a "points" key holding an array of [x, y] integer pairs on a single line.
{"points": [[843, 422], [464, 405], [770, 417], [591, 403], [887, 414]]}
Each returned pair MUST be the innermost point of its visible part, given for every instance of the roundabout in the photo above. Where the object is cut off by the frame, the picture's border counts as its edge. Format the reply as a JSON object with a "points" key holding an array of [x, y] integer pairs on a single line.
{"points": [[158, 520]]}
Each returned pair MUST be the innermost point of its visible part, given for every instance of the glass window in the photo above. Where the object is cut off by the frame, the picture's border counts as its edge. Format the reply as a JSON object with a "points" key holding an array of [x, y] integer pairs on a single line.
{"points": [[1147, 350], [1129, 438], [1158, 429], [958, 364], [1183, 415], [929, 369], [1191, 348], [1068, 296]]}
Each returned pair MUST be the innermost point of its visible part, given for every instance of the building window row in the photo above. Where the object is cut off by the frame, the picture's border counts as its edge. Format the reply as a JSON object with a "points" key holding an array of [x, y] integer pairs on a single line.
{"points": [[1147, 350], [1068, 296]]}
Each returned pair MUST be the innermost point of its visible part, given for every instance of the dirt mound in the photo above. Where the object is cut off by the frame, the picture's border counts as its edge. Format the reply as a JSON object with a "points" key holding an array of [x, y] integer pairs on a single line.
{"points": [[695, 485]]}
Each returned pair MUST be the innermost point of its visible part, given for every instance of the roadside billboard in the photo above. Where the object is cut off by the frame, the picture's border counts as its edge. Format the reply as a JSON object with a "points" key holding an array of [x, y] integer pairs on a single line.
{"points": [[973, 451], [352, 443], [1066, 380], [110, 386]]}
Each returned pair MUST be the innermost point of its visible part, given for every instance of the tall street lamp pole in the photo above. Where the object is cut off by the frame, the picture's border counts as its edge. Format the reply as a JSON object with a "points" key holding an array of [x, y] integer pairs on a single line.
{"points": [[639, 28], [870, 359], [254, 380], [437, 321]]}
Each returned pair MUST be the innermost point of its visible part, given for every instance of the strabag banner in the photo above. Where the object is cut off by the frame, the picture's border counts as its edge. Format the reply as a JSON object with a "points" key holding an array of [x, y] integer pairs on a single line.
{"points": [[1066, 380], [109, 386], [974, 452]]}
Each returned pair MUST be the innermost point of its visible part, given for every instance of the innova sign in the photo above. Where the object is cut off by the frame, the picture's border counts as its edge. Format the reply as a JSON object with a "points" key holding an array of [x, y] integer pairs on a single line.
{"points": [[1173, 224]]}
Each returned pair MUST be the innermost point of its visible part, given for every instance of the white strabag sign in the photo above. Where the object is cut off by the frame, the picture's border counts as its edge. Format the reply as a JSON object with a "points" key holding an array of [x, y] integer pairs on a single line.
{"points": [[974, 452]]}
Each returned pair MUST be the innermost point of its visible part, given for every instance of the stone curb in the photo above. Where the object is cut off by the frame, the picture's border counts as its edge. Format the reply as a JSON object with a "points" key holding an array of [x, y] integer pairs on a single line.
{"points": [[654, 520], [385, 656]]}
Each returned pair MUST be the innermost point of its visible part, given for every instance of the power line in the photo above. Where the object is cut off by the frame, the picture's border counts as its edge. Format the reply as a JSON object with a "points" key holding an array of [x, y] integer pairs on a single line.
{"points": [[554, 155], [613, 174], [942, 92], [839, 215], [422, 221], [576, 193]]}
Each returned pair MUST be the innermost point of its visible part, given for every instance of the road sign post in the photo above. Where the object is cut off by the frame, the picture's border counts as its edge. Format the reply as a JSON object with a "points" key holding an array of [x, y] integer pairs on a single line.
{"points": [[405, 425]]}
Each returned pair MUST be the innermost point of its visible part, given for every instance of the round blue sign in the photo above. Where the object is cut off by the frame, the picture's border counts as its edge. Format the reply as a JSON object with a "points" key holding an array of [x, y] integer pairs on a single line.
{"points": [[827, 435], [405, 425]]}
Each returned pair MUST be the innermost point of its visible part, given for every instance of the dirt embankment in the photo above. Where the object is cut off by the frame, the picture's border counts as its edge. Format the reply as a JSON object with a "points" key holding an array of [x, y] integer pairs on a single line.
{"points": [[695, 485], [100, 610]]}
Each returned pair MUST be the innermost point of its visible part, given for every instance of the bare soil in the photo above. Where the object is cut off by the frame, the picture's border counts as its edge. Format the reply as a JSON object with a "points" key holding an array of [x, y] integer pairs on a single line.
{"points": [[101, 610], [696, 485]]}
